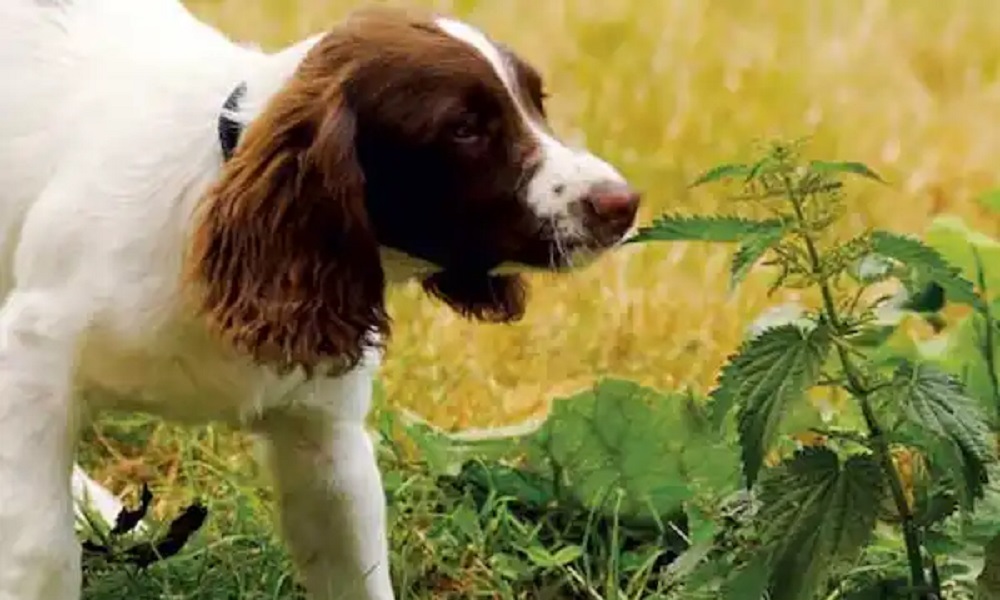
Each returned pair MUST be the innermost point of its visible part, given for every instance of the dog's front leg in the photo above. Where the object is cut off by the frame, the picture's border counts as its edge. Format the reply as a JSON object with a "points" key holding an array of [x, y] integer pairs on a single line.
{"points": [[39, 554], [330, 492]]}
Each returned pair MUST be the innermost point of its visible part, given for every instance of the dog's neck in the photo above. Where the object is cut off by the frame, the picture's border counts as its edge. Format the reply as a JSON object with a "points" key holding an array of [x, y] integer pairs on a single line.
{"points": [[250, 95]]}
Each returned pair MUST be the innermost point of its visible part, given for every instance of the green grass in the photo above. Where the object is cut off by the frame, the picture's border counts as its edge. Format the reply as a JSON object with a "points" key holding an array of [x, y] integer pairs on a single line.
{"points": [[663, 90]]}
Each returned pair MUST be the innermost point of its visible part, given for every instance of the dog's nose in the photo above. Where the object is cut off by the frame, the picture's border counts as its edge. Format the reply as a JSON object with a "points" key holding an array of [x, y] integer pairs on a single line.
{"points": [[614, 201]]}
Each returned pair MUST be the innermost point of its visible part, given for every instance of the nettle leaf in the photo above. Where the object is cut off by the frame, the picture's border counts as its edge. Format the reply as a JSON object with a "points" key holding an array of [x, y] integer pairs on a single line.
{"points": [[678, 228], [845, 168], [936, 402], [721, 172], [929, 263], [817, 512], [769, 373], [750, 251]]}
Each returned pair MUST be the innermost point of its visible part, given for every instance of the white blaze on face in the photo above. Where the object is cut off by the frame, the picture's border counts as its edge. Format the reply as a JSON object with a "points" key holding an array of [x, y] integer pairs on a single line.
{"points": [[565, 175]]}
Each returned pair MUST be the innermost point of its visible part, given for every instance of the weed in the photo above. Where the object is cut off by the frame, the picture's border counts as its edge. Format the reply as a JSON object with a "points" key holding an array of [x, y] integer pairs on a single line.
{"points": [[818, 508]]}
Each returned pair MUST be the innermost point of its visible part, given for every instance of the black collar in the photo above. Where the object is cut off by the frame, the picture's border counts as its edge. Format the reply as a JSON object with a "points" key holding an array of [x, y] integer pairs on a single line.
{"points": [[230, 129]]}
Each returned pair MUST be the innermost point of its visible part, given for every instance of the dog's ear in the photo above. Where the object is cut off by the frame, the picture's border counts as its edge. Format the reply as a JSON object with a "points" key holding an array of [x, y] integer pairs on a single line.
{"points": [[285, 263], [484, 297]]}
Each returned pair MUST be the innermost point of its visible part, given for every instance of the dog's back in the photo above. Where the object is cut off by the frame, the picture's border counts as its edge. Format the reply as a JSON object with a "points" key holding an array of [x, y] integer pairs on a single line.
{"points": [[69, 68]]}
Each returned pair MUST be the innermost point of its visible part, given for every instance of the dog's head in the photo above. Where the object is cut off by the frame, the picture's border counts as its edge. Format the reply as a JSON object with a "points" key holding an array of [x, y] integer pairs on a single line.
{"points": [[400, 132]]}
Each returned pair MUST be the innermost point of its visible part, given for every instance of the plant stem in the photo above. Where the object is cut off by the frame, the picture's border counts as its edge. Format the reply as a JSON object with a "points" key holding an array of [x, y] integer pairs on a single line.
{"points": [[989, 352], [857, 388]]}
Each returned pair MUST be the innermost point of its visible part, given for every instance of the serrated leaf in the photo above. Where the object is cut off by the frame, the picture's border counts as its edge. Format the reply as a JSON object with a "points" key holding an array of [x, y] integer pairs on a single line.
{"points": [[768, 374], [957, 477], [750, 251], [678, 228], [929, 263], [816, 513], [845, 167], [721, 172], [936, 402]]}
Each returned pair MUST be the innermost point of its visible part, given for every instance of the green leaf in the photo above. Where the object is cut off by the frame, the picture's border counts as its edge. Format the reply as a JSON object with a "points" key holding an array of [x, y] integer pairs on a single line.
{"points": [[749, 583], [929, 263], [543, 558], [769, 373], [566, 555], [936, 402], [959, 243], [750, 251], [955, 478], [990, 200], [491, 477], [845, 167], [988, 581], [678, 228], [721, 172], [893, 589], [617, 436], [816, 514]]}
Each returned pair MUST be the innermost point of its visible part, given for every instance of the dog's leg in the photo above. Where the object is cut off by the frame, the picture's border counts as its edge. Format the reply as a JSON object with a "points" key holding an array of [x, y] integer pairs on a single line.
{"points": [[39, 554], [330, 492]]}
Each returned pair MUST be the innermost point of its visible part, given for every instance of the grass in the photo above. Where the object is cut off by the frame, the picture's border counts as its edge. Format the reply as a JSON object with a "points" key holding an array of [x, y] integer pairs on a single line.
{"points": [[662, 90]]}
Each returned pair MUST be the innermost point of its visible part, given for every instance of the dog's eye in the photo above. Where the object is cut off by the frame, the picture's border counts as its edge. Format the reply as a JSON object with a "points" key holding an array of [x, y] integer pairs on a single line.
{"points": [[467, 130]]}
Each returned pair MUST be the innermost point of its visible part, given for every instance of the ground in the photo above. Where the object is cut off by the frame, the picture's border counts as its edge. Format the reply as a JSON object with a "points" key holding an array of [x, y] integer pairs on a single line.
{"points": [[664, 90]]}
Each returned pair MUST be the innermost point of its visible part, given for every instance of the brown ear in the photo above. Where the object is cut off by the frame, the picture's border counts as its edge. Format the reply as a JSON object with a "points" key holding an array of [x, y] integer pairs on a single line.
{"points": [[285, 263], [491, 298]]}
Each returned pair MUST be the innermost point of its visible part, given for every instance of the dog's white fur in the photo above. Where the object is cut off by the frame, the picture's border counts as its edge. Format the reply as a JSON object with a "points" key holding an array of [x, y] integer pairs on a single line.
{"points": [[107, 142]]}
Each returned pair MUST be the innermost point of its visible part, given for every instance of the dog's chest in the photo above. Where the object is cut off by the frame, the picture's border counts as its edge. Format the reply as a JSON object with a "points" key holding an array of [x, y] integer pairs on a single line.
{"points": [[179, 374]]}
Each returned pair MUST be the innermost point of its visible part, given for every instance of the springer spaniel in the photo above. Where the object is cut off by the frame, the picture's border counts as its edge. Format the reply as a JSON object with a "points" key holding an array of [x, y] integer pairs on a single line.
{"points": [[203, 231]]}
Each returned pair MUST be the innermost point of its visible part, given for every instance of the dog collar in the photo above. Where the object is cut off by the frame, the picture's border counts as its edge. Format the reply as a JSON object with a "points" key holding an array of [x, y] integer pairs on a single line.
{"points": [[230, 127]]}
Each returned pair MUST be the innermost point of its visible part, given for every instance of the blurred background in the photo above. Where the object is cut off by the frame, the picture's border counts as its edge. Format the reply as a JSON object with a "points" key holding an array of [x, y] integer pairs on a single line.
{"points": [[664, 90]]}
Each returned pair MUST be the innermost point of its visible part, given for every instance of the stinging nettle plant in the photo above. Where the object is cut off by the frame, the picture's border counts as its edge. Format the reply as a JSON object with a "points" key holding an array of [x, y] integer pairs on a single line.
{"points": [[819, 508]]}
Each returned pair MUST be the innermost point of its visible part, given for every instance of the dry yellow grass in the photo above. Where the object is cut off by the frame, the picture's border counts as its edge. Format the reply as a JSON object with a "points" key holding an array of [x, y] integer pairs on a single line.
{"points": [[665, 89]]}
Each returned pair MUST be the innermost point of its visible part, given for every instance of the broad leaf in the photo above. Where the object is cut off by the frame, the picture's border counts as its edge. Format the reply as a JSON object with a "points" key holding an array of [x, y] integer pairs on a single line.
{"points": [[678, 228], [748, 583], [959, 243], [816, 513], [750, 251], [988, 581], [929, 263], [721, 172], [619, 436], [936, 402], [845, 167], [768, 374], [990, 200]]}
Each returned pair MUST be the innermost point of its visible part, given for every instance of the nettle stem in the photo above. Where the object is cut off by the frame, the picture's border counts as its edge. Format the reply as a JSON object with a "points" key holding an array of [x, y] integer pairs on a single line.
{"points": [[862, 392]]}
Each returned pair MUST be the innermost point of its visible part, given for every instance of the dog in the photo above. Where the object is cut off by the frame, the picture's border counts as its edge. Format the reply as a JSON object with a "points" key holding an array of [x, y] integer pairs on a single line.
{"points": [[204, 231]]}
